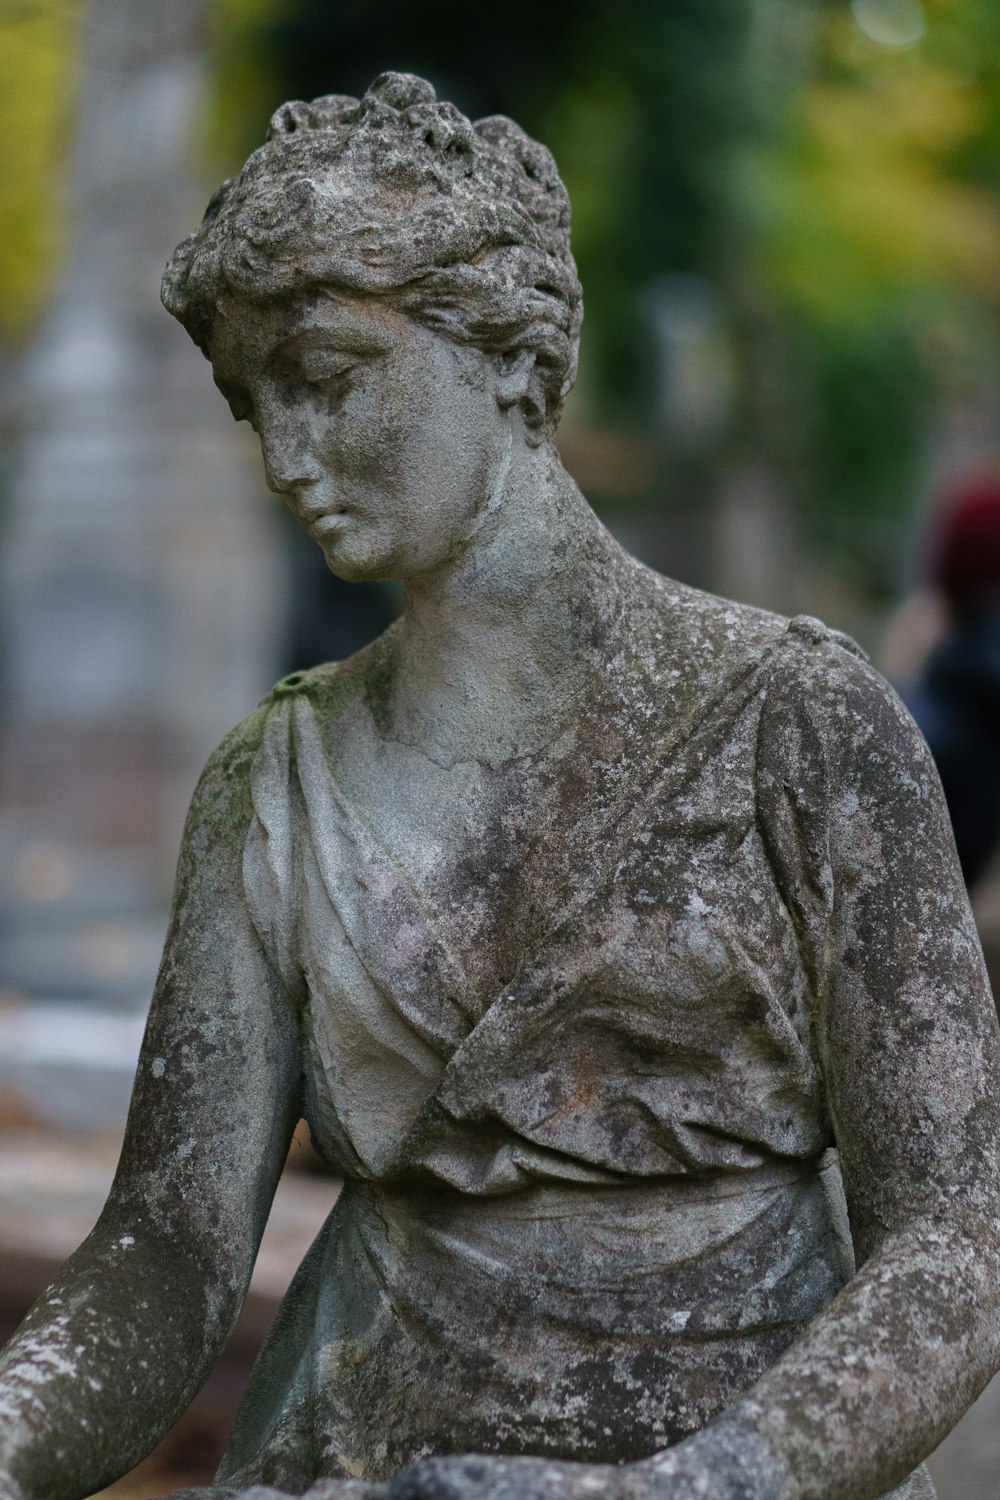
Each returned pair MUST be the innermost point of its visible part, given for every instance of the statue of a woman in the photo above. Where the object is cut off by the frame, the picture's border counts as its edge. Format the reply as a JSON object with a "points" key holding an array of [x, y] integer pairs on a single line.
{"points": [[580, 915]]}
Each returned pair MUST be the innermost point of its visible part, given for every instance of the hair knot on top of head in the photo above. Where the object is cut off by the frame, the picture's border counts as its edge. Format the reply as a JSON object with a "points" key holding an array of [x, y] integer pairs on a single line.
{"points": [[398, 195], [321, 114]]}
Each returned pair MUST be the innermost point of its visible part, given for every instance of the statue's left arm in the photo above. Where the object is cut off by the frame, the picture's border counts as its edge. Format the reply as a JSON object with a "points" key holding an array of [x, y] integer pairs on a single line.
{"points": [[906, 1038]]}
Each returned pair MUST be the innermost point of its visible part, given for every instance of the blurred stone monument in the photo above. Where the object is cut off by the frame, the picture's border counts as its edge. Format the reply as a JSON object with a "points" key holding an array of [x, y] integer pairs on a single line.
{"points": [[138, 573]]}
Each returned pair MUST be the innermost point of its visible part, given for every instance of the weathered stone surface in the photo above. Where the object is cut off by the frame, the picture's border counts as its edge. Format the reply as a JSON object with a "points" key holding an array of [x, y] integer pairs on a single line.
{"points": [[583, 915]]}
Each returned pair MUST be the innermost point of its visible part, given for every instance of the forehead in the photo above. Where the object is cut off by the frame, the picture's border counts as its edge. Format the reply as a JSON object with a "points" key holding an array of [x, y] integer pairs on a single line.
{"points": [[246, 336]]}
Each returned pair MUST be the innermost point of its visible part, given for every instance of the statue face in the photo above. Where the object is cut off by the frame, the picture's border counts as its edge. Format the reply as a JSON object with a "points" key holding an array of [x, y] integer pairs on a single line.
{"points": [[382, 437]]}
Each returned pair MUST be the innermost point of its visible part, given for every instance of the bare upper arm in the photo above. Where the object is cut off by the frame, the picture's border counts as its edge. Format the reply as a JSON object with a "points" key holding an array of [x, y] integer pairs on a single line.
{"points": [[908, 1029], [216, 1093]]}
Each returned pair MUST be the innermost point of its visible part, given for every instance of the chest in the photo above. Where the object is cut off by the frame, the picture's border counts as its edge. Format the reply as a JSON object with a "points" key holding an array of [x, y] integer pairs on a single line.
{"points": [[642, 864], [620, 936], [486, 851]]}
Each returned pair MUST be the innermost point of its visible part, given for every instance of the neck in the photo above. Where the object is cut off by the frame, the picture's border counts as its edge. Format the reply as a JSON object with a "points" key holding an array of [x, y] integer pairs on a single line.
{"points": [[487, 661]]}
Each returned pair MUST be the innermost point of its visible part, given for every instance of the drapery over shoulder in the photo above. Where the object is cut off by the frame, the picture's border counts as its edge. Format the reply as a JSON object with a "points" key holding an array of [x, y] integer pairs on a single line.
{"points": [[675, 1016]]}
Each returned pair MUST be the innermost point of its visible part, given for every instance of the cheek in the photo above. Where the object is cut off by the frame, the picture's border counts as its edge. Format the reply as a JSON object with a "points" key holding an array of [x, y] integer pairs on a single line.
{"points": [[458, 468], [360, 441], [459, 434]]}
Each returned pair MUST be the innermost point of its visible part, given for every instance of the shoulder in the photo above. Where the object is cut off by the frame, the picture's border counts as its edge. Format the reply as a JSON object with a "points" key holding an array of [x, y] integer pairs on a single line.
{"points": [[327, 687], [806, 688], [230, 761], [815, 684], [838, 745], [820, 674], [716, 641], [690, 652], [717, 635], [331, 686], [822, 681], [223, 793], [725, 636]]}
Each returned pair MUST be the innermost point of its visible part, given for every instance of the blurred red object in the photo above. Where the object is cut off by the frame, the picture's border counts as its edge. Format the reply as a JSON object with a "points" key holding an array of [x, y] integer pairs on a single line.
{"points": [[963, 555]]}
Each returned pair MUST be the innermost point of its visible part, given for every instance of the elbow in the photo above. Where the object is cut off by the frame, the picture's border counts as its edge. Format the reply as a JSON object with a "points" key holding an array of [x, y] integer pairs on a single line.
{"points": [[167, 1275], [951, 1259]]}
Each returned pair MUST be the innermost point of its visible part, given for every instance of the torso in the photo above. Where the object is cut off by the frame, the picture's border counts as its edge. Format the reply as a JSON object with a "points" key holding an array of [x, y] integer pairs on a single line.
{"points": [[558, 1037]]}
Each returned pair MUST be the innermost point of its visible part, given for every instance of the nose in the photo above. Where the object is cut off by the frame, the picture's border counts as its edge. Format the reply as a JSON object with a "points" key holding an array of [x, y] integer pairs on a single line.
{"points": [[287, 470], [289, 465]]}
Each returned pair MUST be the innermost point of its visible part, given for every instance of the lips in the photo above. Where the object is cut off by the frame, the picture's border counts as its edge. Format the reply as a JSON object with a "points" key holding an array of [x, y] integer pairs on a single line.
{"points": [[326, 526]]}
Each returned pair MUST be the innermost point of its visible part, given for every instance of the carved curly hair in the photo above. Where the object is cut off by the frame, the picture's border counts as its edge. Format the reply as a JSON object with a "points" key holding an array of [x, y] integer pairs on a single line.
{"points": [[464, 227]]}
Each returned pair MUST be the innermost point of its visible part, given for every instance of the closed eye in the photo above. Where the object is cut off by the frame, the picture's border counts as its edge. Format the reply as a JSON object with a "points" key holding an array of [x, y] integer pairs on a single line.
{"points": [[332, 383]]}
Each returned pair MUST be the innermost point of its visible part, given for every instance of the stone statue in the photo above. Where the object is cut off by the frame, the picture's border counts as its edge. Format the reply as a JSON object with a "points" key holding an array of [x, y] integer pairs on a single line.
{"points": [[581, 915]]}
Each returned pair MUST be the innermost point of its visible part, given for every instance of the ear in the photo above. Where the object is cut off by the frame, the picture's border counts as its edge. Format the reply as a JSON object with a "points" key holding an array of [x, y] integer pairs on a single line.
{"points": [[519, 384], [516, 369]]}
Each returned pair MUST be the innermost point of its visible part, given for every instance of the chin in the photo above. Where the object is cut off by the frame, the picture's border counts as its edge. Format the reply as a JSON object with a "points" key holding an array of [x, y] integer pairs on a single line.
{"points": [[349, 559], [357, 569]]}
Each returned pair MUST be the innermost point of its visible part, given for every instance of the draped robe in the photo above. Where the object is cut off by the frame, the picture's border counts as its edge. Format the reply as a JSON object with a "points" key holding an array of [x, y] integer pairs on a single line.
{"points": [[583, 1214]]}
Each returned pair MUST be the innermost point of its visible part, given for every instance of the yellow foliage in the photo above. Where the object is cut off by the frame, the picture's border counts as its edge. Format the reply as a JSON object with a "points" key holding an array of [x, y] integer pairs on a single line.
{"points": [[864, 199], [38, 42]]}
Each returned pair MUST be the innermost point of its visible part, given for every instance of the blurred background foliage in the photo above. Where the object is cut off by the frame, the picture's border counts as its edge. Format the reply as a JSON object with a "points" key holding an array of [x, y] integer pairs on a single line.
{"points": [[788, 206], [827, 171], [38, 39]]}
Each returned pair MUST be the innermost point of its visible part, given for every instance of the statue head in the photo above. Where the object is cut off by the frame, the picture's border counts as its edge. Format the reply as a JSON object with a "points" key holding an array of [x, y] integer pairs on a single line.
{"points": [[462, 227]]}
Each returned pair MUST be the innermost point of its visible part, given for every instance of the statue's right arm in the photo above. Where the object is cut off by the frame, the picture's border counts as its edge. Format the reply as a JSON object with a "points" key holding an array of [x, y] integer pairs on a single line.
{"points": [[115, 1349]]}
